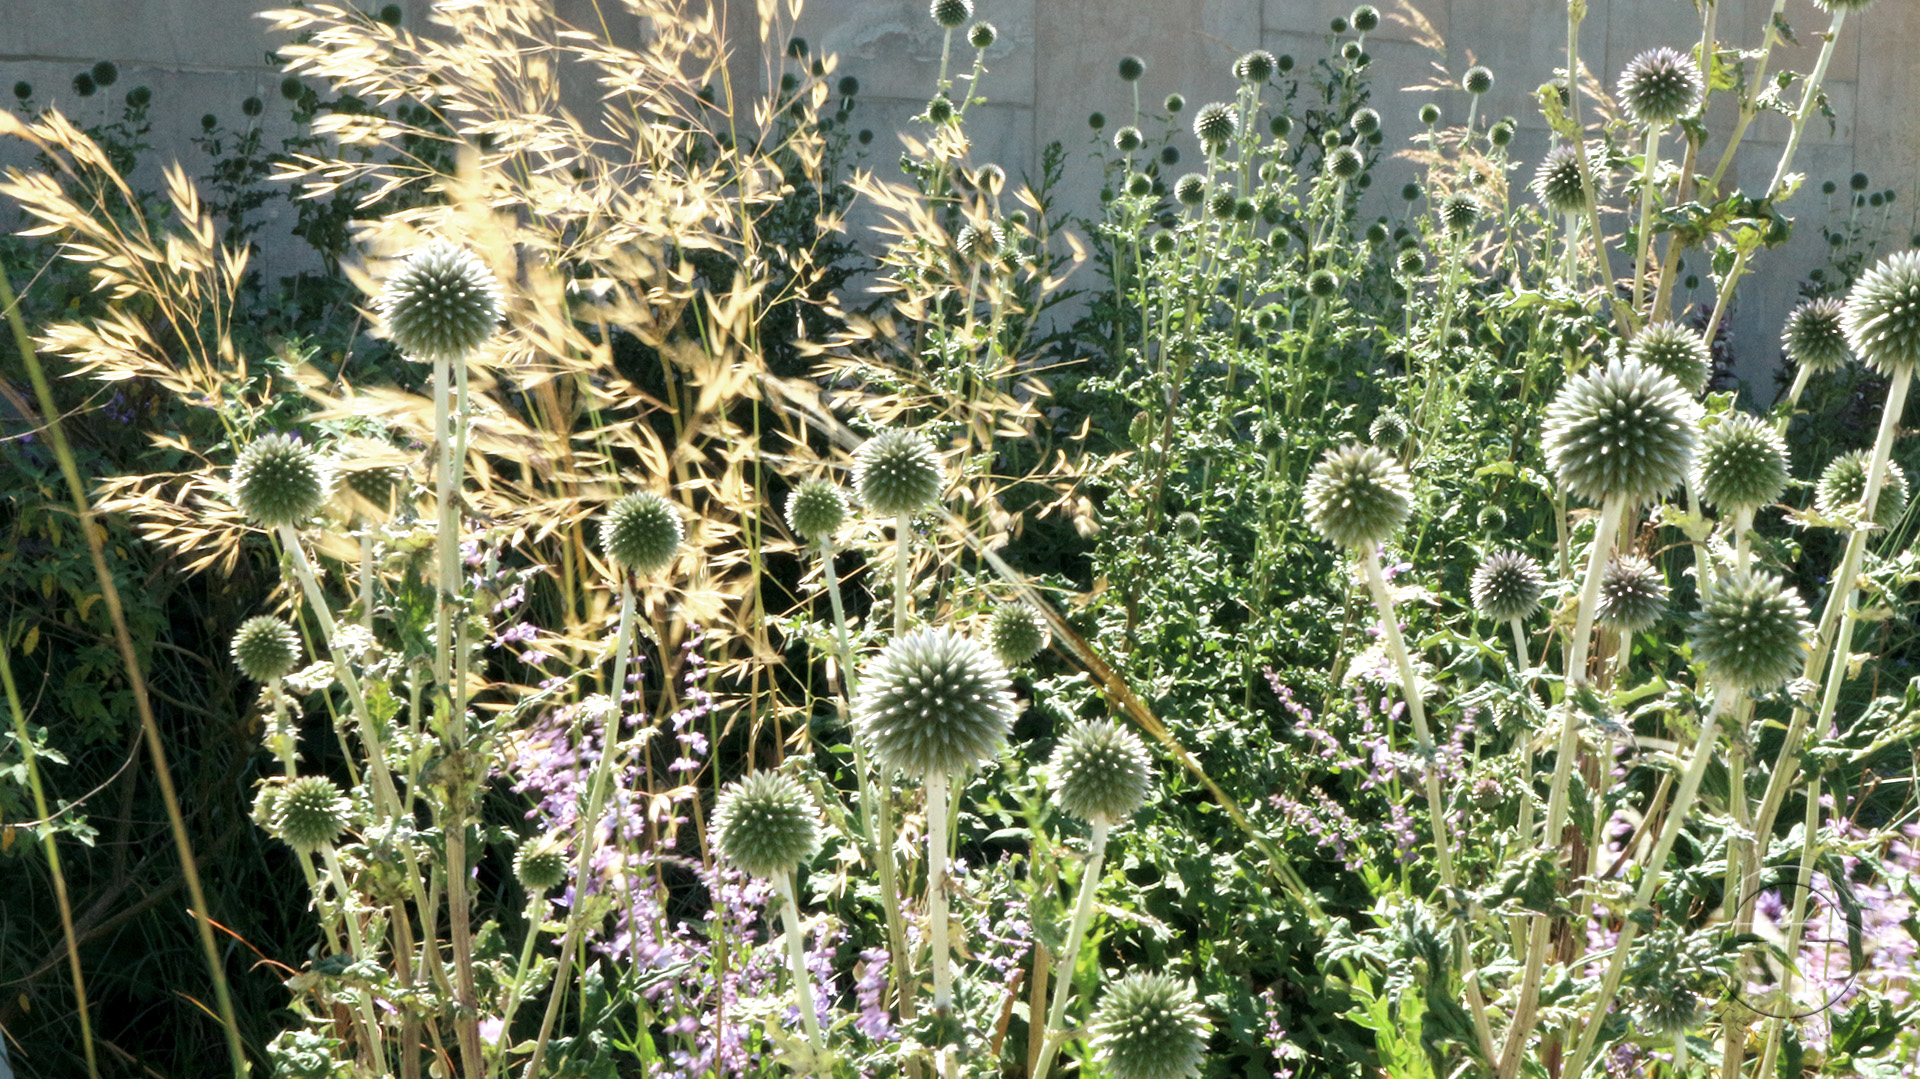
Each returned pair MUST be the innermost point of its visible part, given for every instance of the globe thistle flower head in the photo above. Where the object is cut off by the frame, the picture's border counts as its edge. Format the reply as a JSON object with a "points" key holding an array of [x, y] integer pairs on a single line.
{"points": [[1345, 162], [1459, 211], [933, 702], [951, 13], [1131, 68], [280, 480], [1221, 203], [1491, 519], [1365, 18], [897, 473], [981, 35], [540, 864], [266, 649], [1882, 315], [1633, 594], [1215, 125], [1742, 464], [441, 304], [1660, 86], [816, 509], [1501, 134], [1357, 495], [1625, 431], [1751, 632], [1843, 486], [1557, 182], [1675, 349], [1508, 585], [1365, 120], [1478, 80], [1175, 103], [641, 532], [1187, 526], [1190, 189], [940, 109], [1017, 633], [310, 813], [1322, 285], [1815, 336], [1128, 139], [1149, 1026], [1851, 7], [1388, 431], [979, 243], [766, 824], [1410, 260], [1254, 68], [1139, 185], [1429, 115], [1102, 770]]}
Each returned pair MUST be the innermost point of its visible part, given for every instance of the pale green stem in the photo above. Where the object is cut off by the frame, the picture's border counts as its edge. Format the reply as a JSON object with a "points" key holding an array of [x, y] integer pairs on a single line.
{"points": [[371, 1022], [498, 1063], [452, 436], [1076, 933], [1807, 100], [1810, 823], [902, 585], [942, 958], [1525, 830], [1623, 315], [797, 962], [1800, 378], [1646, 216], [366, 581]]}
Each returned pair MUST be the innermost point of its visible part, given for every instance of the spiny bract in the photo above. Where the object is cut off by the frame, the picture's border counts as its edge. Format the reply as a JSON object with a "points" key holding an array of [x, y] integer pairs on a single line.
{"points": [[1751, 632], [816, 509], [540, 864], [266, 649], [1357, 495], [1660, 86], [1843, 485], [280, 480], [933, 702], [442, 303], [1675, 349], [1742, 464], [310, 813], [766, 824], [641, 532], [1882, 316], [1815, 336], [1017, 633], [1633, 594], [1149, 1026], [1557, 182], [1507, 586], [897, 473], [1625, 432], [1102, 770]]}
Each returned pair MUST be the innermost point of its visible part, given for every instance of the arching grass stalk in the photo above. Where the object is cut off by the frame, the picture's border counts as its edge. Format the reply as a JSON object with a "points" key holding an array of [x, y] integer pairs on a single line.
{"points": [[1076, 934]]}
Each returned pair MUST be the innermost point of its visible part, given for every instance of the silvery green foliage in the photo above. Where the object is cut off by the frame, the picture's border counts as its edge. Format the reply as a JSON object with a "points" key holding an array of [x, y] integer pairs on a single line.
{"points": [[933, 702], [766, 824], [1844, 484], [816, 509], [310, 813], [540, 864], [1017, 632], [1149, 1026], [1625, 431], [1633, 594], [1388, 431], [641, 532], [1882, 315], [1215, 125], [951, 13], [1357, 495], [1742, 463], [442, 303], [1675, 349], [1102, 770], [1660, 86], [897, 472], [280, 480], [266, 649], [1751, 632], [1557, 183], [1507, 586], [1815, 336]]}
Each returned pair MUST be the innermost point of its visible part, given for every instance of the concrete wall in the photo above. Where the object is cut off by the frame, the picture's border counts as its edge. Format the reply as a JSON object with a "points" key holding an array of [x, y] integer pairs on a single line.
{"points": [[1054, 64]]}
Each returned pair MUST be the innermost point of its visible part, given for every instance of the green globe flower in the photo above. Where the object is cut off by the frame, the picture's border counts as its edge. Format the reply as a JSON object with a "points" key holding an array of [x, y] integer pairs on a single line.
{"points": [[1675, 349], [1626, 432], [1815, 336], [1742, 464], [1322, 285], [641, 533], [266, 649], [1255, 68], [442, 303], [766, 824], [1478, 80], [933, 702], [1508, 585], [897, 473], [977, 244], [1365, 121], [1410, 260], [1633, 594], [1345, 163], [1388, 431], [816, 509], [279, 480], [1215, 125], [1365, 18], [1132, 67], [1102, 770], [541, 864], [1882, 316], [1191, 189], [1149, 1026], [1660, 86], [1491, 519], [1127, 140], [1751, 632], [982, 35], [1843, 486], [1459, 211], [951, 13], [1357, 495], [1017, 633], [311, 813], [1557, 182], [1187, 526]]}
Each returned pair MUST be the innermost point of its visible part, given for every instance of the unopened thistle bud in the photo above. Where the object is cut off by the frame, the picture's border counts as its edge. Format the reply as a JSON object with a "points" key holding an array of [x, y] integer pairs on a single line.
{"points": [[816, 509], [897, 473], [1254, 68], [1843, 486], [1660, 86], [1633, 594], [442, 303], [1882, 316], [1345, 162], [1751, 632], [951, 13], [279, 480], [1459, 212], [981, 35], [1132, 67], [311, 813], [1149, 1026], [1675, 349], [1557, 182], [641, 532], [933, 702], [1815, 336], [1017, 633], [1625, 431], [541, 864], [266, 649], [1388, 431], [1215, 125], [1357, 495], [1102, 770], [1508, 585], [1365, 18], [1742, 464], [766, 824], [1478, 80]]}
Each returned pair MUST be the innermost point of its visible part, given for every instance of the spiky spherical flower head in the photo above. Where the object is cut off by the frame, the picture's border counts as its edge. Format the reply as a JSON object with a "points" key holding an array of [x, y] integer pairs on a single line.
{"points": [[1357, 495], [1215, 125], [1815, 336], [940, 109], [1221, 203], [1491, 519], [933, 702], [1132, 67], [541, 864], [1365, 120], [1675, 349], [1459, 211], [1624, 431], [1017, 633], [1882, 316], [1633, 594], [311, 813], [1742, 463], [1322, 285], [1365, 18], [442, 303], [1388, 431], [977, 243], [1102, 770], [816, 509], [1174, 103], [951, 13], [1149, 1026], [280, 480], [641, 532], [1843, 485], [1344, 162], [1254, 68], [1660, 86], [1508, 585], [1187, 526], [1751, 632], [1128, 139], [1429, 115], [1410, 260], [897, 473], [981, 35], [1669, 1010], [1849, 6], [266, 649], [1557, 182], [1190, 189], [766, 824], [1139, 185], [1478, 80]]}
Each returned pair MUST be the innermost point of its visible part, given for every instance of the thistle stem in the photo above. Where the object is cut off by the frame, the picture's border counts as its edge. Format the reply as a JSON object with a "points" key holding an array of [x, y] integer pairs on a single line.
{"points": [[534, 904], [1645, 240], [941, 959], [338, 878], [1076, 933], [797, 962]]}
